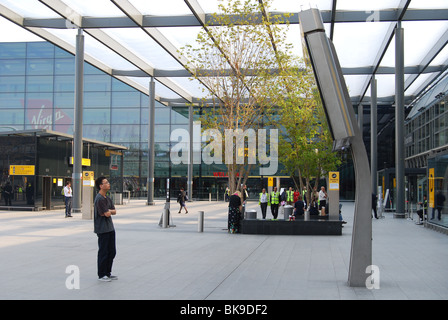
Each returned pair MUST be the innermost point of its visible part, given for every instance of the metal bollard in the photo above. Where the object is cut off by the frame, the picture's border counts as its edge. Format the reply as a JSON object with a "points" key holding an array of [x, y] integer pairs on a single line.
{"points": [[201, 221], [165, 216], [307, 215]]}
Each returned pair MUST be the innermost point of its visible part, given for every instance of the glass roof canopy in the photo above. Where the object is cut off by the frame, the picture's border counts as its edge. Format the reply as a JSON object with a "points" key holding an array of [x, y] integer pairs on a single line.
{"points": [[136, 39]]}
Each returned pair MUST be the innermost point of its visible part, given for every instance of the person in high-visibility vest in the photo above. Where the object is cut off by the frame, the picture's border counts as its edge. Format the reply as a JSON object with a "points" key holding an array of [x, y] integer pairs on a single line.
{"points": [[275, 200], [290, 196], [263, 201]]}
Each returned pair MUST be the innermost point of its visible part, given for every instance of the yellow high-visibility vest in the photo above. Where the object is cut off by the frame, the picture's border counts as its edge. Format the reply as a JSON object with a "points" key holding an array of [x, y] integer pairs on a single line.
{"points": [[275, 197]]}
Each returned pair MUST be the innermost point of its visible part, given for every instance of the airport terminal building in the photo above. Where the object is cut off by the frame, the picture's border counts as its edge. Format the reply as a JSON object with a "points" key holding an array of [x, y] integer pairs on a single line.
{"points": [[37, 92]]}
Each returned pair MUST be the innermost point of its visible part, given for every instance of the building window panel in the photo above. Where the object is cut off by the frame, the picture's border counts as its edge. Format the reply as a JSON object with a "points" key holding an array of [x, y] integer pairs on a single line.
{"points": [[96, 116], [12, 100], [40, 50], [12, 116], [124, 133], [39, 100], [97, 99], [39, 83], [118, 85], [64, 83], [12, 67], [97, 83], [179, 116], [96, 132], [64, 66], [13, 50], [64, 100], [125, 99], [12, 84], [40, 67], [127, 116]]}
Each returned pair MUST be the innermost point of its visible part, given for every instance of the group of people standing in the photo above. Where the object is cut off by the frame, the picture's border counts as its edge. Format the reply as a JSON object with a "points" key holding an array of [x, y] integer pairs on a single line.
{"points": [[294, 198], [275, 199]]}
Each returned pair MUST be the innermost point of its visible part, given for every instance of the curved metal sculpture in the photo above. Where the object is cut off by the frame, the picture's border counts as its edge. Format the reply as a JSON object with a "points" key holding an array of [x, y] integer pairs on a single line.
{"points": [[321, 55]]}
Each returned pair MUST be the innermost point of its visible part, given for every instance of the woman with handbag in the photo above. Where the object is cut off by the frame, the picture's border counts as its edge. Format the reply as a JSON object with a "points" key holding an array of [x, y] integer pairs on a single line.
{"points": [[235, 205]]}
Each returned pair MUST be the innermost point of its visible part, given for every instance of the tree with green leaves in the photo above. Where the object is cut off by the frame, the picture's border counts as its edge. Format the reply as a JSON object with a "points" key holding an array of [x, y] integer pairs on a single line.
{"points": [[305, 145], [233, 57]]}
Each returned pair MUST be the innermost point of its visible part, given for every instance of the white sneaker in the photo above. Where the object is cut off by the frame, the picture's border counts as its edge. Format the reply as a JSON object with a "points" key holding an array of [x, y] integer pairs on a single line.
{"points": [[111, 277], [104, 279]]}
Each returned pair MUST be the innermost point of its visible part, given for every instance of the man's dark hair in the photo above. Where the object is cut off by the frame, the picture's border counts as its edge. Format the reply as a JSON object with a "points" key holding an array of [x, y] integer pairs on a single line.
{"points": [[99, 182]]}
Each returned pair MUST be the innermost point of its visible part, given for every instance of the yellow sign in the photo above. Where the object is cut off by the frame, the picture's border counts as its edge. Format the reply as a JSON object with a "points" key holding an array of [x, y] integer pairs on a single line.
{"points": [[270, 182], [88, 178], [85, 162], [109, 152], [333, 180], [19, 170], [431, 187]]}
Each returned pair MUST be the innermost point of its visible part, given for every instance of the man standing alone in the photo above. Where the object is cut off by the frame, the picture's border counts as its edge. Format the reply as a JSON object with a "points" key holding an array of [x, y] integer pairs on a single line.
{"points": [[68, 199], [104, 209]]}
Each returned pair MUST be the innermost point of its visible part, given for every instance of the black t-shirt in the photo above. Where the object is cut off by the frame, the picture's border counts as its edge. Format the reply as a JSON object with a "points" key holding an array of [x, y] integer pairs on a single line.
{"points": [[298, 206], [234, 201], [101, 223]]}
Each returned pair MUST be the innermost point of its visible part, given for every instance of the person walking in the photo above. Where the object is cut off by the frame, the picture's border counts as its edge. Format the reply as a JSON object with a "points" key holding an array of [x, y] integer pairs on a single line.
{"points": [[275, 200], [68, 196], [263, 201], [104, 209], [234, 216], [181, 198]]}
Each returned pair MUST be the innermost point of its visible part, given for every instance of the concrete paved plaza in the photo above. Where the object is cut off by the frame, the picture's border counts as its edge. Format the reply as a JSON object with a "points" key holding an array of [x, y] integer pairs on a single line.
{"points": [[42, 253]]}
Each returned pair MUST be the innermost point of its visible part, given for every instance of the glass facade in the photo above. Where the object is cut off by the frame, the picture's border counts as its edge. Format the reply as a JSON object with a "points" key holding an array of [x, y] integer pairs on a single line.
{"points": [[426, 145], [49, 158], [438, 189], [428, 130], [37, 92]]}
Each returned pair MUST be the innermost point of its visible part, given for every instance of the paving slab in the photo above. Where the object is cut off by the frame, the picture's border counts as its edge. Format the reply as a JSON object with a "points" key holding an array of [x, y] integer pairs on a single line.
{"points": [[41, 249]]}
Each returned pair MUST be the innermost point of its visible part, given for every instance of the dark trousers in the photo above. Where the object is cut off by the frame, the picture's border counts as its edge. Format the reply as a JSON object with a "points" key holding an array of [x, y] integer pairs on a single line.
{"points": [[68, 206], [274, 210], [7, 199], [106, 253], [263, 206], [439, 215]]}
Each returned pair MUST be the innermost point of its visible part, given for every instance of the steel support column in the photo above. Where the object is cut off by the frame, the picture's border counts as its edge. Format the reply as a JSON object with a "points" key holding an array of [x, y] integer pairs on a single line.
{"points": [[373, 135], [399, 121], [361, 117], [77, 126], [190, 155], [152, 109]]}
